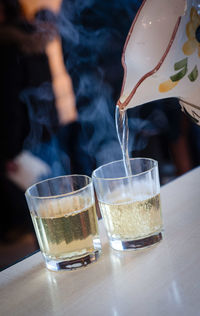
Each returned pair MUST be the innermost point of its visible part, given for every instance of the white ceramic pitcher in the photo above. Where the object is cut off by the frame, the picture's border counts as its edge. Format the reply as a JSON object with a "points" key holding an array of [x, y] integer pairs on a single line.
{"points": [[161, 56]]}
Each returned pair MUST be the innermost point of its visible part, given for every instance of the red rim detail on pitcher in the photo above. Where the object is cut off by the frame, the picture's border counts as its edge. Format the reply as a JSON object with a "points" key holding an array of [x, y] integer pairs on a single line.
{"points": [[148, 74]]}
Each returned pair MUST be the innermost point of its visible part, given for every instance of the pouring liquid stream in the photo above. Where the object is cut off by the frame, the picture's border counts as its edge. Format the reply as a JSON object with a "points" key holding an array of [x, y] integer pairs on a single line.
{"points": [[121, 121]]}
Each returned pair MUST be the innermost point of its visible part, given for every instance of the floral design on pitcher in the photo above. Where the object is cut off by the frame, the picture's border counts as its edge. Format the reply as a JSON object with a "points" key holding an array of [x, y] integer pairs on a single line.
{"points": [[193, 34], [189, 47]]}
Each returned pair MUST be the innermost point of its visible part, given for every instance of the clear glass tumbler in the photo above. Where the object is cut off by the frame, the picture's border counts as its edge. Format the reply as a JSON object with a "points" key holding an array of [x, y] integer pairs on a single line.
{"points": [[65, 221], [130, 205]]}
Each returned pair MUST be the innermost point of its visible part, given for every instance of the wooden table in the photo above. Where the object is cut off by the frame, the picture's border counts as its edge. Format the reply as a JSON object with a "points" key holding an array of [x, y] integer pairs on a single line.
{"points": [[162, 280]]}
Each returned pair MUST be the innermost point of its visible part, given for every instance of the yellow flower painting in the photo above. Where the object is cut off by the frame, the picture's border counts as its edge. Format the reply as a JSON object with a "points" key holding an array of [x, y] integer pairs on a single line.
{"points": [[193, 34]]}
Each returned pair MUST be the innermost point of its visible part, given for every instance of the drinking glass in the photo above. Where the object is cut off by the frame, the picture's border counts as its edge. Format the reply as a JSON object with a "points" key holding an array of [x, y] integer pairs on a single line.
{"points": [[65, 221], [130, 205]]}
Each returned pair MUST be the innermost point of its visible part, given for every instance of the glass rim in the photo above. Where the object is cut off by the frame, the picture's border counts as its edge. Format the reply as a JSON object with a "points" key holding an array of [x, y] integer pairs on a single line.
{"points": [[125, 177], [27, 192]]}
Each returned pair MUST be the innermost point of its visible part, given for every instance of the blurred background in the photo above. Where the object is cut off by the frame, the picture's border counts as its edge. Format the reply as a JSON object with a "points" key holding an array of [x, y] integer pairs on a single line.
{"points": [[61, 77]]}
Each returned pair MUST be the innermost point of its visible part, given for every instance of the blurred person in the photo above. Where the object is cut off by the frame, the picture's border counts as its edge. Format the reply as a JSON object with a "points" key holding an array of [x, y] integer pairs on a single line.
{"points": [[39, 12], [26, 62], [16, 230]]}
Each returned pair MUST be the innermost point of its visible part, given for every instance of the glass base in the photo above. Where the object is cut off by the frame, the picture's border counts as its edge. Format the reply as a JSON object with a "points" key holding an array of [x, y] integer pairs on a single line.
{"points": [[135, 244], [73, 263]]}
